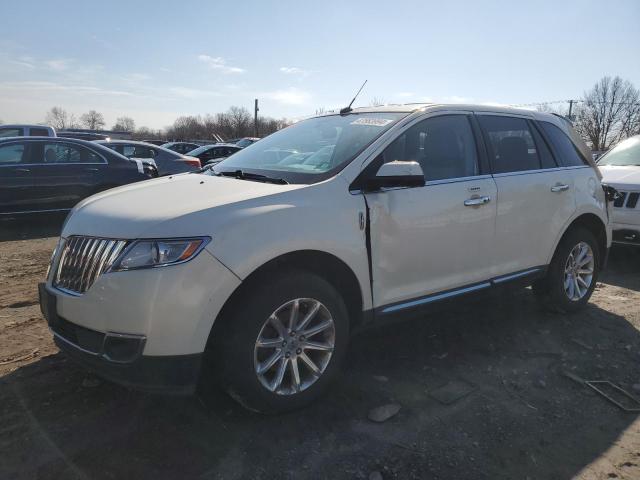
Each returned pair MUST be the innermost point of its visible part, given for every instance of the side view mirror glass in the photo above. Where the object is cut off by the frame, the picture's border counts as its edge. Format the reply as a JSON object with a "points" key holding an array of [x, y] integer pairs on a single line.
{"points": [[397, 174]]}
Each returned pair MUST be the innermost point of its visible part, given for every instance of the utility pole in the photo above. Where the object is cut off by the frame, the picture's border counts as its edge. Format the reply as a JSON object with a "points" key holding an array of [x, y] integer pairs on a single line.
{"points": [[255, 118], [571, 109]]}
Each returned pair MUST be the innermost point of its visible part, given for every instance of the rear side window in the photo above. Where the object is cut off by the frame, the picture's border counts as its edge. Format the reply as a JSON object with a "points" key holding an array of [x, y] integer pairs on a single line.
{"points": [[546, 157], [510, 144], [66, 153], [138, 151], [11, 154], [567, 153], [10, 132]]}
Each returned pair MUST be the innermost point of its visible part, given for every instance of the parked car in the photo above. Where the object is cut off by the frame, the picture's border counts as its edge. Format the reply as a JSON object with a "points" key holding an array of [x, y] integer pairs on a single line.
{"points": [[26, 131], [270, 264], [155, 142], [49, 174], [180, 147], [246, 141], [214, 153], [620, 168], [167, 161]]}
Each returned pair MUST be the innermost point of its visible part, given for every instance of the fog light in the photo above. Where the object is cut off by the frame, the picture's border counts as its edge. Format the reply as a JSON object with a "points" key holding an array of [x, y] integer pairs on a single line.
{"points": [[122, 348]]}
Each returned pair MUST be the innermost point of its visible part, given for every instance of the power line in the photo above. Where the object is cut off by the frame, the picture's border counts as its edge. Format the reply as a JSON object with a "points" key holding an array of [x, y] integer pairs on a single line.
{"points": [[570, 101]]}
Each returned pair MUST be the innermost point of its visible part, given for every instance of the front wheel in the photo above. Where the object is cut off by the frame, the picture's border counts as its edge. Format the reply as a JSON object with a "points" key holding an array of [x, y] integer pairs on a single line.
{"points": [[283, 342], [572, 274]]}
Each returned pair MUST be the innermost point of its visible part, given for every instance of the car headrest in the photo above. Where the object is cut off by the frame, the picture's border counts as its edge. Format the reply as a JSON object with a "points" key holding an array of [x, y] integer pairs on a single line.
{"points": [[513, 149], [50, 156]]}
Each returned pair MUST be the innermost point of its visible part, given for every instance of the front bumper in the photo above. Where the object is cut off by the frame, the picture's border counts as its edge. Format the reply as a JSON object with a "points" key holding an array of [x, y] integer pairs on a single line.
{"points": [[119, 358], [626, 234]]}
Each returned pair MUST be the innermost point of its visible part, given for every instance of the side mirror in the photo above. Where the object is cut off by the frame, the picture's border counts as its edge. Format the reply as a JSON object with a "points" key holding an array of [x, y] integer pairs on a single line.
{"points": [[397, 174]]}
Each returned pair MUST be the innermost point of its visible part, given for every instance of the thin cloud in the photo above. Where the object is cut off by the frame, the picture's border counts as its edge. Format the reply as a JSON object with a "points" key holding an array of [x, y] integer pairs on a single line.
{"points": [[34, 88], [58, 65], [295, 71], [219, 63], [289, 96], [183, 92]]}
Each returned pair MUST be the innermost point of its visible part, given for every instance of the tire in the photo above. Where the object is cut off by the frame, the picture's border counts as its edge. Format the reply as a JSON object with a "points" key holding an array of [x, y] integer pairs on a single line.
{"points": [[235, 358], [552, 290]]}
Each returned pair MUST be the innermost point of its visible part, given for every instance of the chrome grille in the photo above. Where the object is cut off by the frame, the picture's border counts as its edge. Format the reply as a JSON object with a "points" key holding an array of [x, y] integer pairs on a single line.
{"points": [[83, 260], [627, 200]]}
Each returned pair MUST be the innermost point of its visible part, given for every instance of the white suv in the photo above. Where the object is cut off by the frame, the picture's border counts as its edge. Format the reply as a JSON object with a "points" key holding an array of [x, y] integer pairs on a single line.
{"points": [[620, 168], [255, 272]]}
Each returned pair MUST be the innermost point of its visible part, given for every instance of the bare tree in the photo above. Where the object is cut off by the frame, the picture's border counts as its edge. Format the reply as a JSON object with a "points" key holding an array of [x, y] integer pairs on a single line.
{"points": [[376, 102], [236, 122], [125, 124], [609, 112], [60, 119], [93, 120], [240, 121], [548, 108]]}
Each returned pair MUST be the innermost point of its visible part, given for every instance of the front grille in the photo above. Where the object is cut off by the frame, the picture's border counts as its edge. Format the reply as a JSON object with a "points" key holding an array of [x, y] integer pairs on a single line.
{"points": [[83, 260], [619, 202], [627, 200]]}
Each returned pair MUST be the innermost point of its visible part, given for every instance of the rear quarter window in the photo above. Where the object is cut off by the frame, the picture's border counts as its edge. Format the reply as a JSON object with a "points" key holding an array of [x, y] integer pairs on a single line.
{"points": [[567, 153]]}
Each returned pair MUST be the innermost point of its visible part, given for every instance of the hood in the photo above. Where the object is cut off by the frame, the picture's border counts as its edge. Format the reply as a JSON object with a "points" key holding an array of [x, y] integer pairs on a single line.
{"points": [[621, 177], [160, 207]]}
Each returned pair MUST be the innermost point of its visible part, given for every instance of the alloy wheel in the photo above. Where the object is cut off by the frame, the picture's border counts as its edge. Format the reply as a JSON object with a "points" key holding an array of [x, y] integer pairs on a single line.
{"points": [[578, 271], [294, 346]]}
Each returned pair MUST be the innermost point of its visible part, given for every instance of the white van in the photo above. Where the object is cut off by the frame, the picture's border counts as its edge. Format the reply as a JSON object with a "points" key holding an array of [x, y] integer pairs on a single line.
{"points": [[26, 131]]}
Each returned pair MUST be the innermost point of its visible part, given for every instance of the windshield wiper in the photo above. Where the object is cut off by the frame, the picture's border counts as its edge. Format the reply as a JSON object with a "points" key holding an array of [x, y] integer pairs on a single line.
{"points": [[240, 175]]}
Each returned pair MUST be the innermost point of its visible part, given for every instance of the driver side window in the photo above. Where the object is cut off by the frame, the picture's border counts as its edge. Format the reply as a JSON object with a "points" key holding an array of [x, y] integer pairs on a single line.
{"points": [[444, 147]]}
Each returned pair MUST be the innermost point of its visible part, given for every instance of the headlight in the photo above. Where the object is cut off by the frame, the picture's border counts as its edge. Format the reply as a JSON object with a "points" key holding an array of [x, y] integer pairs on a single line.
{"points": [[158, 253]]}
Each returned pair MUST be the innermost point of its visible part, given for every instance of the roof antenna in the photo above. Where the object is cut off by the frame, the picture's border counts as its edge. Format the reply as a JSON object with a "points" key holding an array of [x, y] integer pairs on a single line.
{"points": [[345, 110]]}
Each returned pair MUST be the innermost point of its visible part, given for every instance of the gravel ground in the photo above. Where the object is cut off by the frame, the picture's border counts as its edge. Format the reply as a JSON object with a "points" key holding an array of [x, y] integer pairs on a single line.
{"points": [[480, 387]]}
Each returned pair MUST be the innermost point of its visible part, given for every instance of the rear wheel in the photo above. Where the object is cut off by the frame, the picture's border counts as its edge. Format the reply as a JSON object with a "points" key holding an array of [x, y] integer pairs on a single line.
{"points": [[572, 274], [283, 342]]}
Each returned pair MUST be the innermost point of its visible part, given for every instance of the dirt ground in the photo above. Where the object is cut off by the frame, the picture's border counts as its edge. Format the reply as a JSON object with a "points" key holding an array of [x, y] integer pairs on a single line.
{"points": [[521, 417]]}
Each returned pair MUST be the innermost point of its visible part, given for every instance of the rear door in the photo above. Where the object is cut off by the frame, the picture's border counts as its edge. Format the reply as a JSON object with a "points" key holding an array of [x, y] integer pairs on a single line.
{"points": [[66, 172], [17, 187], [535, 195]]}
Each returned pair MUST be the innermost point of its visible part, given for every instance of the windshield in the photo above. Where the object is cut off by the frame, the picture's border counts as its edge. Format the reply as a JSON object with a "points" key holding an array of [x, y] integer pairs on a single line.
{"points": [[624, 154], [311, 150]]}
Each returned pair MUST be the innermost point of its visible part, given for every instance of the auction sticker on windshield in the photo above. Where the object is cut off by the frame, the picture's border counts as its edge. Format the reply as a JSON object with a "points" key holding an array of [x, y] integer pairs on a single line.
{"points": [[372, 122]]}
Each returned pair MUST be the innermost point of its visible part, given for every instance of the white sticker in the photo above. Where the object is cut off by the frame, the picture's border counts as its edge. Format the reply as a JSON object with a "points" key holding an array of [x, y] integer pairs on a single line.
{"points": [[372, 122]]}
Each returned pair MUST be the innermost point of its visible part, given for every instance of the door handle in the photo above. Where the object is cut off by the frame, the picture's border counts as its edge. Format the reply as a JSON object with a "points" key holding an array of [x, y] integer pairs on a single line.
{"points": [[476, 201], [90, 169], [23, 170], [561, 187]]}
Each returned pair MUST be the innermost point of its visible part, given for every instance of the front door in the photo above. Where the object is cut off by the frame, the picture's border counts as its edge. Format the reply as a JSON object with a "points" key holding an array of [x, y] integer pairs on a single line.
{"points": [[438, 237]]}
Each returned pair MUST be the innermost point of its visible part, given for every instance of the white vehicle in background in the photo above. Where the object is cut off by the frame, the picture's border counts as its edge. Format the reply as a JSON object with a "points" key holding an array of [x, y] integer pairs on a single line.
{"points": [[620, 168], [27, 131], [254, 272]]}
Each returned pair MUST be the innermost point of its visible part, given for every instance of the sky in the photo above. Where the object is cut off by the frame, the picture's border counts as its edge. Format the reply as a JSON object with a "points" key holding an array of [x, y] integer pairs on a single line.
{"points": [[157, 60]]}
